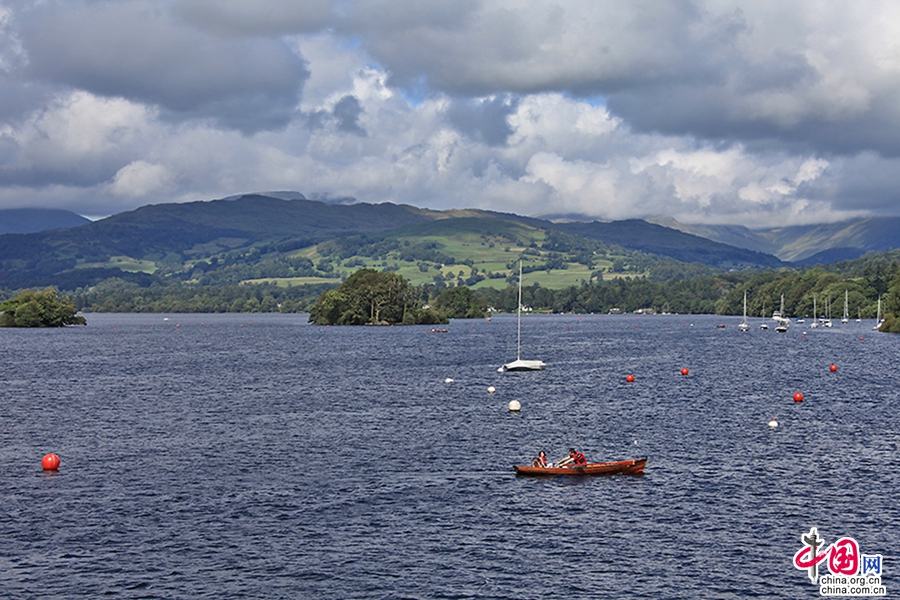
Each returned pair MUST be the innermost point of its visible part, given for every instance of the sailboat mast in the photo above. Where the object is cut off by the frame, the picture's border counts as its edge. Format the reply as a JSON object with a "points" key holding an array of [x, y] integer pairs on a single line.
{"points": [[519, 317]]}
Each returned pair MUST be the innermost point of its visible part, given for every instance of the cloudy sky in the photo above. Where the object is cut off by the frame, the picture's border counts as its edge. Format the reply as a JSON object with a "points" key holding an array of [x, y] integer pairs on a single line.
{"points": [[760, 113]]}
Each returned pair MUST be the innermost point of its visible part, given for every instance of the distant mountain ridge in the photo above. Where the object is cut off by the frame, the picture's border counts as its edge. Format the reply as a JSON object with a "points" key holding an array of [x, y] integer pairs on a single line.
{"points": [[803, 244], [33, 220], [656, 239]]}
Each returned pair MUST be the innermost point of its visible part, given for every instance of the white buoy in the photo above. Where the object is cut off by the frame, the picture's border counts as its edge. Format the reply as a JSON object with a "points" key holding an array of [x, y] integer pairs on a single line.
{"points": [[514, 406], [491, 389], [448, 380], [773, 423]]}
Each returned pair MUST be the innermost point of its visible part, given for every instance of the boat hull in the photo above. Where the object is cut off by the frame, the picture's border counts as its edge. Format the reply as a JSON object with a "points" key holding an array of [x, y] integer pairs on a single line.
{"points": [[523, 365], [633, 466]]}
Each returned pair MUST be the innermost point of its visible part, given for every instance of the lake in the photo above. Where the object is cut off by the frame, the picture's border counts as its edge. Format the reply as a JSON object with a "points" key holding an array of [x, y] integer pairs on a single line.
{"points": [[258, 456]]}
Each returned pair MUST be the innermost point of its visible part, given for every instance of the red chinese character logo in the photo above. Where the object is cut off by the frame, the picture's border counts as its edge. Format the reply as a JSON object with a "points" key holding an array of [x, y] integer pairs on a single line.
{"points": [[844, 558], [843, 555]]}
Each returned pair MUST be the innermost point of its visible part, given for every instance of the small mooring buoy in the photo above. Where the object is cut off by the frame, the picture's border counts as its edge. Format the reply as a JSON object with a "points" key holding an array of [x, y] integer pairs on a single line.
{"points": [[491, 389], [773, 423], [50, 462], [514, 406]]}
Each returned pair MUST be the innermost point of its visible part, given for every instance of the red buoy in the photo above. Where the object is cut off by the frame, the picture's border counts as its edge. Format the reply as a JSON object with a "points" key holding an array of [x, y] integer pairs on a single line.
{"points": [[50, 462], [684, 371], [798, 397], [833, 368], [629, 378]]}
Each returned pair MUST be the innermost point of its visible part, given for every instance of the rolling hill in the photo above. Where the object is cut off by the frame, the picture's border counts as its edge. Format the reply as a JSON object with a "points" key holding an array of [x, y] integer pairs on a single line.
{"points": [[294, 240]]}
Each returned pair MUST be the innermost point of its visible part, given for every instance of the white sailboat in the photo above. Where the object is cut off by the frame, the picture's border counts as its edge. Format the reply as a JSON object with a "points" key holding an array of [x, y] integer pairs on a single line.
{"points": [[827, 321], [878, 315], [519, 364], [815, 321], [783, 322], [744, 326], [846, 317]]}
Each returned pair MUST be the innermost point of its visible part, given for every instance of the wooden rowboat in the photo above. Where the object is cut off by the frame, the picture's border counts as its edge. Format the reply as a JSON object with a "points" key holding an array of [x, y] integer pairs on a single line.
{"points": [[634, 466]]}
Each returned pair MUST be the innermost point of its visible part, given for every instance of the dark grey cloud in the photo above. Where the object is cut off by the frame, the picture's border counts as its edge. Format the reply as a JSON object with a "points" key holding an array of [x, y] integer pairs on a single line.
{"points": [[798, 75], [138, 51], [475, 48], [347, 112], [484, 120], [240, 18], [865, 182], [344, 117]]}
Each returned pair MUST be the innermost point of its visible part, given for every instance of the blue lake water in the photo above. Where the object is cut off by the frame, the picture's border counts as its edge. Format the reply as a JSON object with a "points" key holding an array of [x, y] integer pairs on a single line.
{"points": [[257, 456]]}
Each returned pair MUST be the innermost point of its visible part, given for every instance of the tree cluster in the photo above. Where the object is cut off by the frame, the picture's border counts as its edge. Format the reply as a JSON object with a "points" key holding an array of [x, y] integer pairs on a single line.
{"points": [[370, 297], [39, 309]]}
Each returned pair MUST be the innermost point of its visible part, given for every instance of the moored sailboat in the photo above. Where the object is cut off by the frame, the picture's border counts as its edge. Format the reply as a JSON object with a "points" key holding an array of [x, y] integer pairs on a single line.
{"points": [[846, 317], [783, 322], [744, 326], [878, 318], [519, 364]]}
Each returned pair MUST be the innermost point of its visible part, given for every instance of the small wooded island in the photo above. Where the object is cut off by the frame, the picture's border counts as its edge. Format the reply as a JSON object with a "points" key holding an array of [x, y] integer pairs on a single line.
{"points": [[39, 309], [370, 297]]}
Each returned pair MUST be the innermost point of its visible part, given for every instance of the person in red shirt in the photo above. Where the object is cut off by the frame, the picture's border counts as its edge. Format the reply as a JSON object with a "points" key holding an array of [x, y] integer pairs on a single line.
{"points": [[575, 458]]}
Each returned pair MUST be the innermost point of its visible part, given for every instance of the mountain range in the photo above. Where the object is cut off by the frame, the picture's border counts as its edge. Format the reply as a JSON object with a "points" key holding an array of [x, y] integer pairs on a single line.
{"points": [[803, 244], [196, 238], [32, 220]]}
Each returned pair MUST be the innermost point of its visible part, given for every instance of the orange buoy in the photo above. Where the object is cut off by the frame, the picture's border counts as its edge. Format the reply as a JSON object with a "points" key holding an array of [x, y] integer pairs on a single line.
{"points": [[50, 462], [629, 378], [684, 371], [833, 368], [798, 397]]}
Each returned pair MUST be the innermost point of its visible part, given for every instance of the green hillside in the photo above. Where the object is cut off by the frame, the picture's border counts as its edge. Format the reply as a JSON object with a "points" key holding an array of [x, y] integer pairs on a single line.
{"points": [[477, 252], [288, 242]]}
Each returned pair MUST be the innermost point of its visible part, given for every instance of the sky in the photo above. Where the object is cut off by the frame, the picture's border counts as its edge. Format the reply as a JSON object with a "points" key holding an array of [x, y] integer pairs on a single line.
{"points": [[763, 113]]}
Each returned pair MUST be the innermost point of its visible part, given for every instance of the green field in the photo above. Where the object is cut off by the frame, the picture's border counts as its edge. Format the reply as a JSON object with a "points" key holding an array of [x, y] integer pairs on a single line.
{"points": [[492, 248], [292, 281], [126, 263]]}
